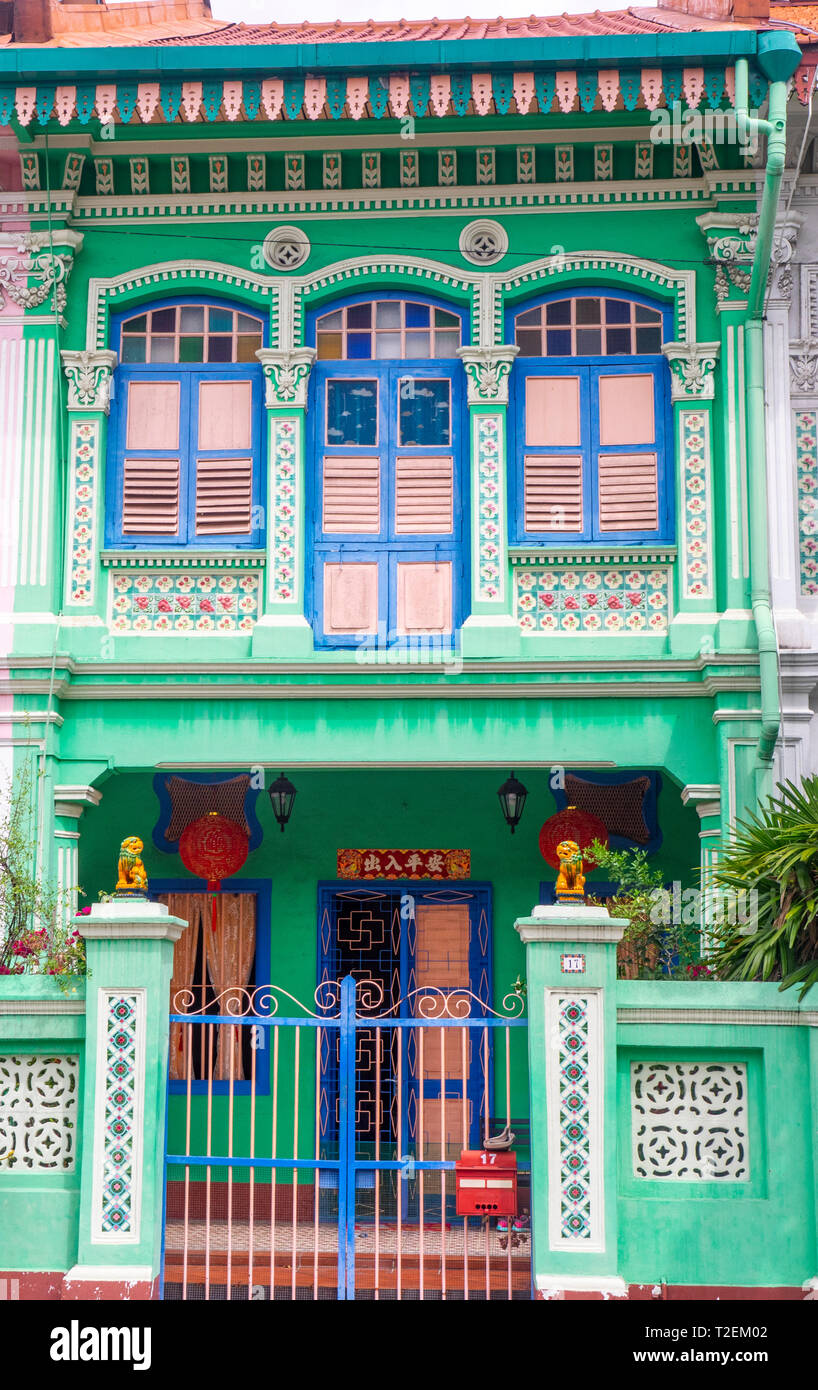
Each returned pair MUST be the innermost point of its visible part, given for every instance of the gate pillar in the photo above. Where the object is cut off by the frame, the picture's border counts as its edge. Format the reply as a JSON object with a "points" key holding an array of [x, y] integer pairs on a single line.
{"points": [[571, 990], [129, 946]]}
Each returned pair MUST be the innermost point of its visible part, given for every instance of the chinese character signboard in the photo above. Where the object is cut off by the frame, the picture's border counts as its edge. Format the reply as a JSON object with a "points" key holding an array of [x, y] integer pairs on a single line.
{"points": [[404, 863]]}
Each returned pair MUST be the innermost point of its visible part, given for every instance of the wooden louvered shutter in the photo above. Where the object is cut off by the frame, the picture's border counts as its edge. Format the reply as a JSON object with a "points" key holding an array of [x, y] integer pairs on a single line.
{"points": [[628, 492], [628, 481], [423, 495], [151, 465], [224, 497], [224, 483], [553, 492], [352, 495], [150, 497], [552, 478]]}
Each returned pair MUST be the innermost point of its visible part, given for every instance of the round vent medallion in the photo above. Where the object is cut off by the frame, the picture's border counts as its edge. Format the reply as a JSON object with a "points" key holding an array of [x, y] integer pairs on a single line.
{"points": [[286, 248], [483, 242]]}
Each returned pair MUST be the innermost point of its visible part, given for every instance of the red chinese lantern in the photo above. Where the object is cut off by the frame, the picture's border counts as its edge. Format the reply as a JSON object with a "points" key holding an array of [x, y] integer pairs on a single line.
{"points": [[570, 824], [213, 847]]}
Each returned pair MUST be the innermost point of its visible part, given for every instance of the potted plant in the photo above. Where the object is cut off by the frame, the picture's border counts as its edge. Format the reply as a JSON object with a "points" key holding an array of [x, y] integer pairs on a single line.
{"points": [[771, 869]]}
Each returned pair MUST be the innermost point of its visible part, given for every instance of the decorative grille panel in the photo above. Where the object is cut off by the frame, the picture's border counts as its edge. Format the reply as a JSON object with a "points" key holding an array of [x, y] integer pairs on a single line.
{"points": [[38, 1113], [689, 1121]]}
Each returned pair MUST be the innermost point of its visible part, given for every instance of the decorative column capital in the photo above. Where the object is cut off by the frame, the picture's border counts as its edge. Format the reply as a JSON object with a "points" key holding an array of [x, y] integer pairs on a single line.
{"points": [[731, 243], [286, 373], [691, 368], [705, 796], [804, 368], [783, 250], [70, 800], [488, 371], [32, 273], [89, 378]]}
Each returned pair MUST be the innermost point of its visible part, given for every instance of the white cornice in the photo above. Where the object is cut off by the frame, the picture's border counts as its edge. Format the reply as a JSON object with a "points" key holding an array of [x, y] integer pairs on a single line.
{"points": [[239, 206], [69, 666], [771, 1018], [453, 689]]}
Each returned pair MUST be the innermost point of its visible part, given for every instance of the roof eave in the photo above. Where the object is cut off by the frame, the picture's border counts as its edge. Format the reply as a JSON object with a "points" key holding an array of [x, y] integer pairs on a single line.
{"points": [[191, 61]]}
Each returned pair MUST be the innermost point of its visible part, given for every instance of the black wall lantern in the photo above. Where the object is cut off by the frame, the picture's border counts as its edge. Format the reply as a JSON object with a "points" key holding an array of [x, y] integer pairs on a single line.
{"points": [[282, 796], [512, 796]]}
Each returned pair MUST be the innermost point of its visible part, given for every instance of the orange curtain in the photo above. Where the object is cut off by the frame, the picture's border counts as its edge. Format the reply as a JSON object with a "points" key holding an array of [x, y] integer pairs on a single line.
{"points": [[189, 907], [230, 951]]}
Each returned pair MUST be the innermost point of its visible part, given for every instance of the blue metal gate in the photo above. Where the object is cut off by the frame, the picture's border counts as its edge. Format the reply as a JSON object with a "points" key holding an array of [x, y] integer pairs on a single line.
{"points": [[284, 1179]]}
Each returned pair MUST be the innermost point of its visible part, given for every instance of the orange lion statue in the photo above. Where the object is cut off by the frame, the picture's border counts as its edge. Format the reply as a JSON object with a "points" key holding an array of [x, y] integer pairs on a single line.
{"points": [[132, 878], [570, 879]]}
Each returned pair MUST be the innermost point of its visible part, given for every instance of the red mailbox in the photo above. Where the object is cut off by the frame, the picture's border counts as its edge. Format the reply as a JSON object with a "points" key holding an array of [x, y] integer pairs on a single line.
{"points": [[486, 1183]]}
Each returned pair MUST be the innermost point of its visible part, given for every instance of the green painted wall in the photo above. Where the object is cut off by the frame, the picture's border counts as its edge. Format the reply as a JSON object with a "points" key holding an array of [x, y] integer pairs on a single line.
{"points": [[39, 1212], [758, 1233]]}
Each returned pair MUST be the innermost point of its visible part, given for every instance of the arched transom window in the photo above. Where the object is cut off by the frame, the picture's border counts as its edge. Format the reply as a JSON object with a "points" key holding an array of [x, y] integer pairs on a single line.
{"points": [[387, 329], [191, 333], [592, 327]]}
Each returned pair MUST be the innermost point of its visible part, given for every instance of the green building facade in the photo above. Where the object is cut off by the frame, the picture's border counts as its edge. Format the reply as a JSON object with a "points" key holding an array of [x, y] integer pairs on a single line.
{"points": [[388, 415]]}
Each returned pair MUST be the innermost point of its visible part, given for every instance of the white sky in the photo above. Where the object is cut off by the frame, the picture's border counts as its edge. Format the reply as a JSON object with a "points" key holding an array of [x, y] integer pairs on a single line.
{"points": [[267, 11]]}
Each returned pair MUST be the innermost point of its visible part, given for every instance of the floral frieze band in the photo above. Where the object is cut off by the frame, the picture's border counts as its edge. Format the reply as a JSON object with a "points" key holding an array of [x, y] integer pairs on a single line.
{"points": [[806, 459], [604, 601], [697, 537], [84, 485], [160, 602]]}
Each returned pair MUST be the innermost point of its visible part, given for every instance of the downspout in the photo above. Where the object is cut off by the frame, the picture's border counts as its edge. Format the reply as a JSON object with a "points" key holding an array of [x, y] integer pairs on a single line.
{"points": [[778, 57]]}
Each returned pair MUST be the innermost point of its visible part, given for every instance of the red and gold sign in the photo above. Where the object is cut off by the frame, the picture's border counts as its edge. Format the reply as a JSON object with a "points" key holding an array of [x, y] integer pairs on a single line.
{"points": [[404, 863]]}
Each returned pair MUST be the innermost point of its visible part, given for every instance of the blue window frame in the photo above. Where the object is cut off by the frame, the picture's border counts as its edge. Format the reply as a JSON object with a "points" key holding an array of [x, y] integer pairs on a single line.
{"points": [[387, 487], [576, 473], [186, 489]]}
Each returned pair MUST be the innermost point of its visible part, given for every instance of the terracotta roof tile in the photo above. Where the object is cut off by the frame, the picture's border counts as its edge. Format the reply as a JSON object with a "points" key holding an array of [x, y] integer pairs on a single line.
{"points": [[628, 21], [189, 22]]}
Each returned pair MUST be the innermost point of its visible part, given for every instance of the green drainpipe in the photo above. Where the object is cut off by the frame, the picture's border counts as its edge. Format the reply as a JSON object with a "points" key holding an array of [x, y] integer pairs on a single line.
{"points": [[778, 56]]}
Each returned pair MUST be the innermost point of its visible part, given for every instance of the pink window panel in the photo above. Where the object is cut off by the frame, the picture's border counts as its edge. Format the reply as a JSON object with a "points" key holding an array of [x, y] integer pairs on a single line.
{"points": [[628, 492], [552, 412], [553, 492], [352, 495], [225, 415], [424, 597], [350, 598], [153, 415], [423, 496], [150, 497], [224, 497], [442, 945], [626, 410]]}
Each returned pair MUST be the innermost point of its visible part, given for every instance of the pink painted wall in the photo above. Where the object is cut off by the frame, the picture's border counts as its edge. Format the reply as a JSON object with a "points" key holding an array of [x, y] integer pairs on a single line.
{"points": [[12, 219]]}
